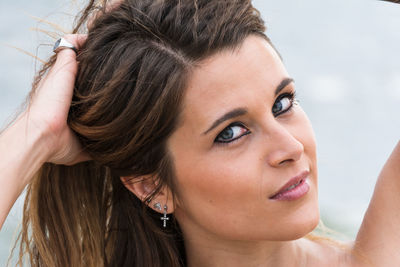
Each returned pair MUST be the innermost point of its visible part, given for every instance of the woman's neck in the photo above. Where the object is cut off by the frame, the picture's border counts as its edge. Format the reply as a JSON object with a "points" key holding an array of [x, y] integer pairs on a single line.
{"points": [[203, 252]]}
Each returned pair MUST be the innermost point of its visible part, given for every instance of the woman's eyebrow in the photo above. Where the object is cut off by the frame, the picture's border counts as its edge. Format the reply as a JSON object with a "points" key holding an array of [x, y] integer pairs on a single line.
{"points": [[242, 111], [229, 115], [285, 82]]}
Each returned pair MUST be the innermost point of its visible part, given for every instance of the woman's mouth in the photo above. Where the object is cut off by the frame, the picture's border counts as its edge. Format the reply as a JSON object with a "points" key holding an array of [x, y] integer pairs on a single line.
{"points": [[297, 187]]}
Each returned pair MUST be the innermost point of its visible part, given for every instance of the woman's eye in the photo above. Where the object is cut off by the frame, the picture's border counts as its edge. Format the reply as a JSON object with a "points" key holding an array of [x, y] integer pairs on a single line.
{"points": [[231, 133], [283, 104]]}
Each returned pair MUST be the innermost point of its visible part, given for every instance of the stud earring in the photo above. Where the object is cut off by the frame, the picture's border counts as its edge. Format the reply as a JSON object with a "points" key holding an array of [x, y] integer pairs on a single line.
{"points": [[165, 218], [157, 206]]}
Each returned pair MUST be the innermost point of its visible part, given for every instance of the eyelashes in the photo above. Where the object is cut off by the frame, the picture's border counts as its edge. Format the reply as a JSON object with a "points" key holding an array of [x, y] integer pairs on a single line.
{"points": [[237, 130], [284, 103], [231, 133]]}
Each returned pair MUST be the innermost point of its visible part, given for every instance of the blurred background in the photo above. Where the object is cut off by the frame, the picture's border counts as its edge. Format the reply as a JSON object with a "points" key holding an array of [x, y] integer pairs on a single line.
{"points": [[345, 59]]}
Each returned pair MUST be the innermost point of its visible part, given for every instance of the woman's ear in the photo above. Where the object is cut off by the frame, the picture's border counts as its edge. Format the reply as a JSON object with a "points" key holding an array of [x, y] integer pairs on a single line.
{"points": [[144, 186]]}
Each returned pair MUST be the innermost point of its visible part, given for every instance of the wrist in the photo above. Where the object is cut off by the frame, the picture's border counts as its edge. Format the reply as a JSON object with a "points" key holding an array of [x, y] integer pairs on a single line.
{"points": [[23, 150], [35, 139]]}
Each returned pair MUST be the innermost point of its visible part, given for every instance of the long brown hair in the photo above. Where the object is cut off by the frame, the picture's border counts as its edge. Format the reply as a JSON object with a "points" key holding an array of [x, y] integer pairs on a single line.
{"points": [[129, 88]]}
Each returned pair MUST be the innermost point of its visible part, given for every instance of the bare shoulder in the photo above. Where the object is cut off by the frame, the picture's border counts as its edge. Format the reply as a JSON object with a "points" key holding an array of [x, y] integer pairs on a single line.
{"points": [[342, 254], [325, 252]]}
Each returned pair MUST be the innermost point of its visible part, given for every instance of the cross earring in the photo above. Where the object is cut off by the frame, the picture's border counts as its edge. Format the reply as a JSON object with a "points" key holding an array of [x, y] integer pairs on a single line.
{"points": [[165, 218]]}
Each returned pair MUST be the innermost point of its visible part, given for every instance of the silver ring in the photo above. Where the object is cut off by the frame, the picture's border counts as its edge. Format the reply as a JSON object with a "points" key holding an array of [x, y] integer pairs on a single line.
{"points": [[62, 43]]}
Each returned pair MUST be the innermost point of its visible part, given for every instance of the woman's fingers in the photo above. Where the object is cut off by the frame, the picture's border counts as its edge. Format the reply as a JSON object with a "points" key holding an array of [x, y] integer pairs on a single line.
{"points": [[99, 11], [56, 89], [51, 102], [77, 39], [113, 4]]}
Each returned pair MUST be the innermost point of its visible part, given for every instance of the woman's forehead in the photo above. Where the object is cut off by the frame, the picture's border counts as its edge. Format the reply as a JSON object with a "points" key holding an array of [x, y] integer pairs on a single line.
{"points": [[232, 77]]}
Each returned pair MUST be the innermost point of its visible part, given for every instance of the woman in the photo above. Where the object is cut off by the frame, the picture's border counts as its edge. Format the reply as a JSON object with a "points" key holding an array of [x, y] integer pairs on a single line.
{"points": [[183, 145]]}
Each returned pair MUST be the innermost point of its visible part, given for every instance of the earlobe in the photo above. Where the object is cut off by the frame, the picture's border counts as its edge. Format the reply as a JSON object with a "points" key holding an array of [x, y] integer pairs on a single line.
{"points": [[143, 187]]}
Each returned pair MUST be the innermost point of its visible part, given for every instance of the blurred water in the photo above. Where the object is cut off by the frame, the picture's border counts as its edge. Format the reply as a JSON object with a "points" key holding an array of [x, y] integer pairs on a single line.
{"points": [[344, 57]]}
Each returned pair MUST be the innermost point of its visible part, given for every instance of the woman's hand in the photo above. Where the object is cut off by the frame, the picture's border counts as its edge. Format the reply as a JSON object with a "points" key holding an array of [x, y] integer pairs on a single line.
{"points": [[50, 104], [111, 4], [41, 133]]}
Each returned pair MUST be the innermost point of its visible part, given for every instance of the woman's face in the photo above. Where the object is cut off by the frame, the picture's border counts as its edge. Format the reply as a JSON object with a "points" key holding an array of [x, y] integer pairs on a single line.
{"points": [[240, 142]]}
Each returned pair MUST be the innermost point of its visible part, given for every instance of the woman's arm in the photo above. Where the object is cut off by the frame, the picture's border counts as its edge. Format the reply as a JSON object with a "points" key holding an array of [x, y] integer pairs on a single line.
{"points": [[23, 150], [379, 237], [41, 133]]}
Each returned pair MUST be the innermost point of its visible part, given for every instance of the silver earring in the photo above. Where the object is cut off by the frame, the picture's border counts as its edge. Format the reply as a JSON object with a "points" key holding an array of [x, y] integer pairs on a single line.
{"points": [[157, 206], [165, 218]]}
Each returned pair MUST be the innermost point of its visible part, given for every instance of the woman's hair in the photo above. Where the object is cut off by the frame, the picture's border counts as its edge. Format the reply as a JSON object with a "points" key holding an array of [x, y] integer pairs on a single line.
{"points": [[133, 71]]}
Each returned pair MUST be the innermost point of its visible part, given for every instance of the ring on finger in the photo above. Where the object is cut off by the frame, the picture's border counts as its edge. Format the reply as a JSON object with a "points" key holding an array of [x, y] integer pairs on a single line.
{"points": [[61, 44]]}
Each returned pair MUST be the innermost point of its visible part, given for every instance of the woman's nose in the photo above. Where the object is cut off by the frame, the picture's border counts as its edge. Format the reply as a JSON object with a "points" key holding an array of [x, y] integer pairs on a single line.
{"points": [[283, 146]]}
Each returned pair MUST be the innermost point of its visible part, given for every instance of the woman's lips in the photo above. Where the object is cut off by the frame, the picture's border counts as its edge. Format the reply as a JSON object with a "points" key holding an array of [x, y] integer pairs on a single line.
{"points": [[294, 189]]}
